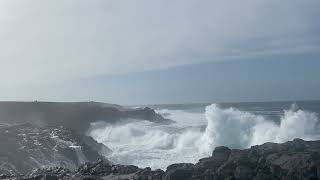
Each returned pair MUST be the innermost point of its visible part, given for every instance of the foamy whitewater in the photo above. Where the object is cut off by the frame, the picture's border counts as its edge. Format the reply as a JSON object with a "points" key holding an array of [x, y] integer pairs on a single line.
{"points": [[196, 134]]}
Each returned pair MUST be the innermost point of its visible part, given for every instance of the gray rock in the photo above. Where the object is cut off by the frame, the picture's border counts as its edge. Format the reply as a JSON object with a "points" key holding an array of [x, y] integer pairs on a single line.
{"points": [[292, 160]]}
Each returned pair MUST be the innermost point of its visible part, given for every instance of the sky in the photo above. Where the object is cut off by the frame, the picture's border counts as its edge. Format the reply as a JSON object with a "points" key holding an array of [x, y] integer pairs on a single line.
{"points": [[168, 51]]}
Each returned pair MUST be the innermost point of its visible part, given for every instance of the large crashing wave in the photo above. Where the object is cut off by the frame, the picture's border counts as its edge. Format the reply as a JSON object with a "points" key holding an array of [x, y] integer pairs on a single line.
{"points": [[238, 129], [145, 144]]}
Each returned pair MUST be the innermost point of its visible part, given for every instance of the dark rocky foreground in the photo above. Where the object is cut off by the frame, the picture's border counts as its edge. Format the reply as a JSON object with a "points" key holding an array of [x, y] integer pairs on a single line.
{"points": [[25, 147], [296, 159]]}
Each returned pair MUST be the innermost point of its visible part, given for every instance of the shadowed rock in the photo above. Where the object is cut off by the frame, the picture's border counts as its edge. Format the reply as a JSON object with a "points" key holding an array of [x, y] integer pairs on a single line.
{"points": [[25, 147], [296, 159]]}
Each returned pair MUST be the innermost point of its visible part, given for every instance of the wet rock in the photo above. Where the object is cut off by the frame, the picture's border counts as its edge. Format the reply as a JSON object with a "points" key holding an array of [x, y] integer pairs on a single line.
{"points": [[25, 147], [243, 173], [293, 160], [124, 169], [99, 168], [50, 177], [180, 166], [221, 152], [178, 173], [219, 156], [148, 174]]}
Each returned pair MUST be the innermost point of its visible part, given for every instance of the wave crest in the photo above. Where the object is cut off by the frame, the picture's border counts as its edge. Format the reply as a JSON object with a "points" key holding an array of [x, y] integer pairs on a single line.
{"points": [[238, 129]]}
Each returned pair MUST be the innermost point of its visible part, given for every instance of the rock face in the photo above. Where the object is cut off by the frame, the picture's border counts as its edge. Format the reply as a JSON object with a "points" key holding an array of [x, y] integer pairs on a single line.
{"points": [[295, 159], [25, 147]]}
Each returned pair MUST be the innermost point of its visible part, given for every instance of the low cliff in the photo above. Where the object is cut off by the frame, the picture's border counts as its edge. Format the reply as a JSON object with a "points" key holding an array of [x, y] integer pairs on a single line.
{"points": [[74, 115]]}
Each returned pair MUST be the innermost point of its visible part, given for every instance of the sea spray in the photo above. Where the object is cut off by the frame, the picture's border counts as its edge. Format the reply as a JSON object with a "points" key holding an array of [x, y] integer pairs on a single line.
{"points": [[195, 135], [294, 123]]}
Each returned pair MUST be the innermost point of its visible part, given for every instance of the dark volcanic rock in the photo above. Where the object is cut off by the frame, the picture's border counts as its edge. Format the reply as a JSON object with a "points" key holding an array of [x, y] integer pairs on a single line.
{"points": [[146, 114], [219, 156], [179, 171], [295, 159], [50, 173], [95, 168], [25, 147]]}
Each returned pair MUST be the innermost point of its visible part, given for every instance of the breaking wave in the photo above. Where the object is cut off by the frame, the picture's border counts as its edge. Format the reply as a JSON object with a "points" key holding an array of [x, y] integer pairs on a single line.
{"points": [[239, 129], [195, 135]]}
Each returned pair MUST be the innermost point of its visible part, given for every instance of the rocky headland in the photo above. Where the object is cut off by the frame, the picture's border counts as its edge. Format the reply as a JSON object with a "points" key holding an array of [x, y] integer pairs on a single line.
{"points": [[48, 134], [76, 116]]}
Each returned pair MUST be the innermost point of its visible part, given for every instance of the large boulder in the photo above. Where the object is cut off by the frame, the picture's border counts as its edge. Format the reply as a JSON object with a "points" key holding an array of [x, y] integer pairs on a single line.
{"points": [[219, 156], [179, 171]]}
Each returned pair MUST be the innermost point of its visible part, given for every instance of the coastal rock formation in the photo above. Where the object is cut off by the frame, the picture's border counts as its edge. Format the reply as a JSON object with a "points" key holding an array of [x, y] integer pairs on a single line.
{"points": [[25, 147], [73, 115], [297, 159], [53, 134]]}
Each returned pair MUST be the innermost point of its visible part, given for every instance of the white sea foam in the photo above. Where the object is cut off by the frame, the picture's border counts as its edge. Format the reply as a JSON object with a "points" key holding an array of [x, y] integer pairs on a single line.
{"points": [[238, 129], [144, 143]]}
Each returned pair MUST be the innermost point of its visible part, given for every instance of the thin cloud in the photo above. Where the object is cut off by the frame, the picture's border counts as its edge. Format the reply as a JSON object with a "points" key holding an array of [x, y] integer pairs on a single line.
{"points": [[45, 41]]}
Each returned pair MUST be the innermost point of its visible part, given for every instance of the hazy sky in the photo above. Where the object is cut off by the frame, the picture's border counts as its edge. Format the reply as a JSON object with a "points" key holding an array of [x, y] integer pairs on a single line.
{"points": [[165, 51]]}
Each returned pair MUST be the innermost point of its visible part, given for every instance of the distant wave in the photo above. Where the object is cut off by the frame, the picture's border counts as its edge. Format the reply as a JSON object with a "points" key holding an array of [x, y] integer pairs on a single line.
{"points": [[145, 144]]}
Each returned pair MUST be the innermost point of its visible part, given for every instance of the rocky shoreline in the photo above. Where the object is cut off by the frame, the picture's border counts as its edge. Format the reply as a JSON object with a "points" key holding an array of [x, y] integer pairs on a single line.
{"points": [[297, 159], [48, 134], [45, 134]]}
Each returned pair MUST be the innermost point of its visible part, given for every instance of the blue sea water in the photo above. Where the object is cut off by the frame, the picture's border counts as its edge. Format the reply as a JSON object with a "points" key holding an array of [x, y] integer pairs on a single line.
{"points": [[272, 109]]}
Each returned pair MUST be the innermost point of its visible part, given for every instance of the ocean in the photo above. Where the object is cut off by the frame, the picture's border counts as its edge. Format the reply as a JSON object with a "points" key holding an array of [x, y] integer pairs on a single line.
{"points": [[199, 128]]}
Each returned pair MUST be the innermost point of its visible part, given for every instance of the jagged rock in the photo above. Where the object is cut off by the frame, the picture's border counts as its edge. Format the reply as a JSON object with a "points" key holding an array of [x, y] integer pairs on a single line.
{"points": [[179, 173], [122, 169], [292, 160], [221, 152], [89, 178], [243, 173], [50, 173], [180, 166], [25, 147], [219, 156], [99, 168], [148, 174], [50, 177]]}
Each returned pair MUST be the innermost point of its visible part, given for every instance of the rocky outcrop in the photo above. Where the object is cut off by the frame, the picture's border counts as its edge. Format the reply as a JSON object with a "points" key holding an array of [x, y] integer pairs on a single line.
{"points": [[145, 113], [25, 147], [73, 115], [49, 134], [296, 159]]}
